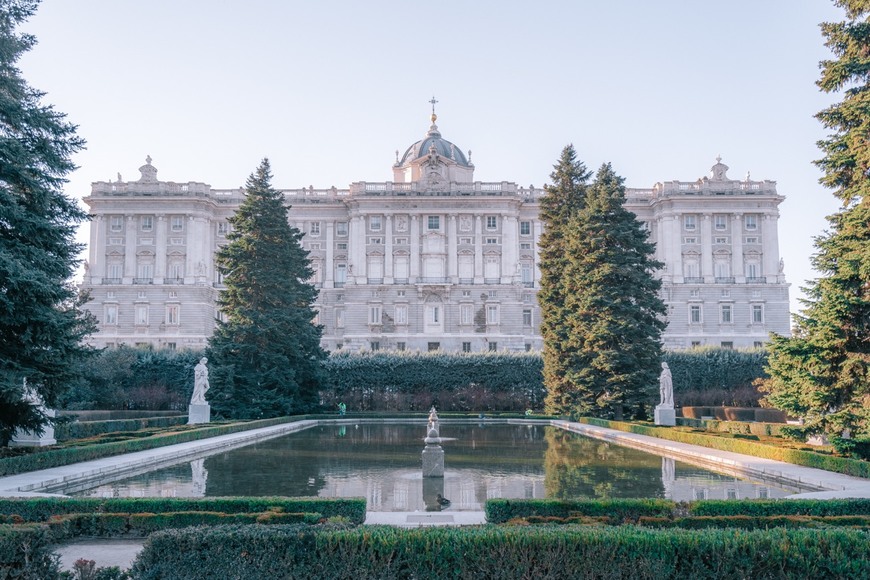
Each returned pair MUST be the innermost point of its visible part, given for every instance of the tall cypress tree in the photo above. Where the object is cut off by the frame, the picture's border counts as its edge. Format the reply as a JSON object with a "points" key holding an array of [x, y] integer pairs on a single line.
{"points": [[41, 326], [822, 373], [613, 315], [265, 358], [561, 201]]}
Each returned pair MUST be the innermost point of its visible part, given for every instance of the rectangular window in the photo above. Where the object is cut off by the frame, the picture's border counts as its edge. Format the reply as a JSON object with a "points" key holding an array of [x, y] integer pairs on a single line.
{"points": [[721, 240], [401, 314], [528, 347], [314, 228], [725, 314], [750, 240], [401, 241], [695, 314], [690, 240], [720, 222], [466, 241], [172, 314], [222, 228], [695, 293], [433, 346], [527, 317], [750, 222], [466, 347], [690, 223], [375, 345], [493, 346], [339, 318], [147, 223], [375, 223], [434, 222], [376, 241], [374, 314], [527, 298], [493, 294], [757, 314], [116, 223], [341, 229], [696, 343], [340, 275], [757, 344], [492, 314], [491, 222], [525, 228], [341, 246], [525, 245], [141, 315], [466, 293], [491, 240], [111, 315], [400, 346], [177, 223], [400, 293], [170, 345], [435, 315], [726, 344], [466, 315]]}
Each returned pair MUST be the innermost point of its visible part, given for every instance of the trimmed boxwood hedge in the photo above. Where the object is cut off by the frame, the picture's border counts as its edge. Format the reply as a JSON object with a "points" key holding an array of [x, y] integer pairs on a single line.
{"points": [[500, 552], [757, 522], [41, 509], [616, 511], [781, 507], [65, 456], [844, 465], [84, 429]]}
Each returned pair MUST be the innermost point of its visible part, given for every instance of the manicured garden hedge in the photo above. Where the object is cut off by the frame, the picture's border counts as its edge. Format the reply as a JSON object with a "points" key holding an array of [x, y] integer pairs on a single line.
{"points": [[758, 522], [616, 511], [84, 429], [26, 553], [65, 456], [854, 467], [41, 509], [781, 507], [736, 427], [500, 552]]}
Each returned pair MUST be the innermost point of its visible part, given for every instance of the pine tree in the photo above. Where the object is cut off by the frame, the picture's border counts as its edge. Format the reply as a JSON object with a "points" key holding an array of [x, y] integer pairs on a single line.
{"points": [[265, 359], [41, 324], [822, 373], [613, 316], [562, 200]]}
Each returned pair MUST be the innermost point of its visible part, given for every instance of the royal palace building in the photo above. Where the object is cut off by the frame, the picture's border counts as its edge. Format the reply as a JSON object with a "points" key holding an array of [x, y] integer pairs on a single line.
{"points": [[430, 260]]}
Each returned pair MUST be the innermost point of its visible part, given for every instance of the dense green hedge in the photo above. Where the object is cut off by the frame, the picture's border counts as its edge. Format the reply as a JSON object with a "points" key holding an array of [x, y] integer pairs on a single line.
{"points": [[854, 467], [736, 427], [616, 511], [781, 507], [65, 456], [500, 552], [85, 429], [758, 522], [26, 553], [41, 509], [714, 368], [415, 380]]}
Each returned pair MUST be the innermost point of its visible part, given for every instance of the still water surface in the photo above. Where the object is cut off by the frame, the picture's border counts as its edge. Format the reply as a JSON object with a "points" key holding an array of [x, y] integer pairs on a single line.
{"points": [[383, 464]]}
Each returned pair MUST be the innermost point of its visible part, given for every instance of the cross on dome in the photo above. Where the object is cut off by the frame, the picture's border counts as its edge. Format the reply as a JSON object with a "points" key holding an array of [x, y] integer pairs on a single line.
{"points": [[433, 101]]}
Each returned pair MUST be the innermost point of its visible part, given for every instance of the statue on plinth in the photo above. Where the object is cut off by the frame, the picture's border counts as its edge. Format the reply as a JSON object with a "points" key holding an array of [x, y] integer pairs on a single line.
{"points": [[199, 411], [664, 411]]}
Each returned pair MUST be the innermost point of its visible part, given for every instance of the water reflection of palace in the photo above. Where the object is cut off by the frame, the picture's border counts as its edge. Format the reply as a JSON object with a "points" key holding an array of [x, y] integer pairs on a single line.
{"points": [[382, 464]]}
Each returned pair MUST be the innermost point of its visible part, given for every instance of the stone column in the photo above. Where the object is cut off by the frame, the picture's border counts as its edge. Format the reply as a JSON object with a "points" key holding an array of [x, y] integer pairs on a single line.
{"points": [[452, 273], [415, 248], [509, 260], [478, 250], [97, 254], [160, 249], [707, 249], [328, 267], [770, 248], [538, 230], [675, 233], [737, 248], [357, 241], [388, 249], [130, 249]]}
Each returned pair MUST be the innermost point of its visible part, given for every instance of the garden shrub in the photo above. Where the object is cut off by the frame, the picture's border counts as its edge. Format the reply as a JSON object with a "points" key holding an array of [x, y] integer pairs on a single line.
{"points": [[781, 507], [615, 510], [85, 429], [26, 553], [757, 522], [500, 552]]}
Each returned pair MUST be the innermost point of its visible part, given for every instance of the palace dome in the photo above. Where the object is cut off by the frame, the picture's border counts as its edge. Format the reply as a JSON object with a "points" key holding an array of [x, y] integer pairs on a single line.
{"points": [[442, 146]]}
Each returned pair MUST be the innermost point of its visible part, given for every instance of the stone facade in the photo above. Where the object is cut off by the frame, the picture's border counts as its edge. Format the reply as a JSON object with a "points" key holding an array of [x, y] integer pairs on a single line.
{"points": [[432, 259]]}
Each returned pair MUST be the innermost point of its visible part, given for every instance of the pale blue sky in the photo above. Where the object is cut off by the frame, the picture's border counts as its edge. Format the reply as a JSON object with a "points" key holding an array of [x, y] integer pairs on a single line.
{"points": [[328, 90]]}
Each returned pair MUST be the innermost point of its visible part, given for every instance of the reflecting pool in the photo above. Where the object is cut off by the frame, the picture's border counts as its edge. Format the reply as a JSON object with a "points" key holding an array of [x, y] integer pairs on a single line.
{"points": [[382, 462]]}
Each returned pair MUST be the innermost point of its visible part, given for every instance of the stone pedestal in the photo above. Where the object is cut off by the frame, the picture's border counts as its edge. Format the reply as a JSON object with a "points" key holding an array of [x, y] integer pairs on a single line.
{"points": [[198, 414], [433, 461], [30, 439], [665, 415], [432, 488]]}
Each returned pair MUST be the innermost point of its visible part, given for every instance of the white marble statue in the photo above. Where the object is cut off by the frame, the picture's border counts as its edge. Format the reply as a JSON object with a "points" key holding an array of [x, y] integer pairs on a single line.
{"points": [[200, 383], [666, 387]]}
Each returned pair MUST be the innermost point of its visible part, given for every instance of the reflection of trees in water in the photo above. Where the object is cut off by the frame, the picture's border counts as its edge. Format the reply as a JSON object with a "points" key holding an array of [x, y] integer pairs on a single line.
{"points": [[576, 466]]}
